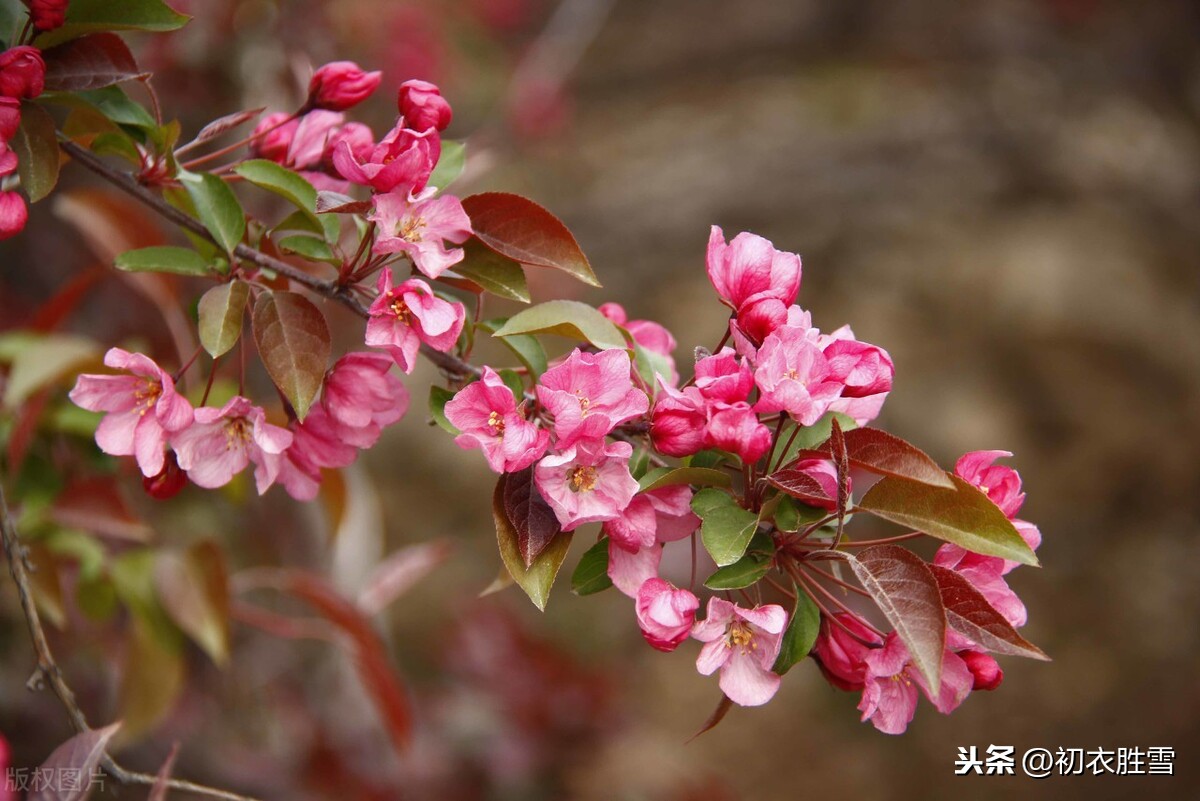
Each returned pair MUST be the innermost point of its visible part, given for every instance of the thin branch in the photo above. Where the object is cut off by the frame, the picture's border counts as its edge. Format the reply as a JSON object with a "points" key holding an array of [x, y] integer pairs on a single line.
{"points": [[48, 672]]}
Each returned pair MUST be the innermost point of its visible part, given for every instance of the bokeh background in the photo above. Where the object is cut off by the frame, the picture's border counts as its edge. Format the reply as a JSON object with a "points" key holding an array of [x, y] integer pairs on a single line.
{"points": [[1003, 194]]}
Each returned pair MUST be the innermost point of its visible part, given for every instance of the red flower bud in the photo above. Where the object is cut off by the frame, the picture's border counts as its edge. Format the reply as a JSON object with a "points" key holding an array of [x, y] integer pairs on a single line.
{"points": [[47, 14], [984, 669], [423, 107], [168, 482], [10, 117], [22, 72], [341, 84]]}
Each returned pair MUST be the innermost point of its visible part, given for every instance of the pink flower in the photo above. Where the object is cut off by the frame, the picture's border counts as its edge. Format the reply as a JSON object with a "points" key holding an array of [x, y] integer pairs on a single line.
{"points": [[889, 697], [841, 653], [722, 377], [22, 72], [404, 316], [221, 442], [630, 570], [144, 409], [986, 574], [793, 375], [661, 515], [272, 137], [588, 482], [750, 268], [359, 137], [13, 214], [362, 397], [421, 229], [734, 427], [422, 106], [985, 671], [743, 644], [7, 791], [678, 424], [339, 85], [10, 118], [865, 372], [999, 482], [759, 317], [311, 138], [315, 446], [824, 473], [403, 160], [665, 614], [652, 336], [47, 14], [590, 395], [487, 414]]}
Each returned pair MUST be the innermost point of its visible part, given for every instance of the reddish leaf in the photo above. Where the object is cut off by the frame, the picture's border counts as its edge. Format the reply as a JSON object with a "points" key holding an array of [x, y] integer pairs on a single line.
{"points": [[337, 203], [400, 571], [223, 124], [529, 514], [800, 485], [293, 341], [841, 461], [886, 454], [535, 579], [522, 230], [194, 589], [718, 714], [90, 62], [905, 590], [158, 791], [97, 504], [80, 755], [969, 613]]}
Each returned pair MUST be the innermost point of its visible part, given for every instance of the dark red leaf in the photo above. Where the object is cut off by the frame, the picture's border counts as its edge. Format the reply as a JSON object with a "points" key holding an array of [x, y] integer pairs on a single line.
{"points": [[520, 229], [529, 514], [969, 613], [716, 717], [294, 344], [800, 485], [337, 203], [158, 791], [886, 454], [90, 62], [223, 124]]}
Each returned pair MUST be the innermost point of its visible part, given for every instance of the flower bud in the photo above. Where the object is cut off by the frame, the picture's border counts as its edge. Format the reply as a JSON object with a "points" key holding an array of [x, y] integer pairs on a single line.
{"points": [[984, 670], [665, 614], [272, 137], [842, 657], [358, 138], [22, 72], [169, 481], [422, 106], [678, 422], [341, 84], [13, 214], [10, 117], [47, 14]]}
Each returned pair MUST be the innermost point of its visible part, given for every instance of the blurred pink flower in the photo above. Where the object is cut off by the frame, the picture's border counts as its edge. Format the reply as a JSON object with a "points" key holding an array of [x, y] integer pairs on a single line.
{"points": [[404, 316], [221, 442], [487, 415], [421, 228], [47, 14], [144, 409], [13, 214], [665, 614], [590, 395], [340, 85], [587, 483], [743, 644]]}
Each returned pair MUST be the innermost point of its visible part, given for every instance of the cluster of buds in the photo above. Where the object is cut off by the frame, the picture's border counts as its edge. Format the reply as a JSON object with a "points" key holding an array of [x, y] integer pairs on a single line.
{"points": [[22, 77]]}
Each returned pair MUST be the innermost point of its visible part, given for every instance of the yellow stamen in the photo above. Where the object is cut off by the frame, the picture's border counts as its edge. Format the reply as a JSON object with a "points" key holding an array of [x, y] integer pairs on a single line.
{"points": [[583, 479], [496, 423]]}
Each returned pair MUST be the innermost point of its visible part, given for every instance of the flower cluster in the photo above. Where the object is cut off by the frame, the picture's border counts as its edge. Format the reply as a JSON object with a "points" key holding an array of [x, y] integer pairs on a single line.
{"points": [[22, 76]]}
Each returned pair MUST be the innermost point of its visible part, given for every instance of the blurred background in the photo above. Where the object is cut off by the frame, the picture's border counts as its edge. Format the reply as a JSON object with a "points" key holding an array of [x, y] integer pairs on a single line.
{"points": [[1003, 194]]}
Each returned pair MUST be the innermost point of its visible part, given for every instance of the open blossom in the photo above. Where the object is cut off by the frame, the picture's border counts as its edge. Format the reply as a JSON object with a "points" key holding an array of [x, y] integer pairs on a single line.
{"points": [[315, 445], [486, 413], [723, 377], [793, 376], [635, 536], [734, 427], [421, 228], [652, 336], [144, 410], [404, 316], [402, 161], [889, 697], [422, 106], [865, 372], [841, 651], [339, 85], [22, 72], [750, 268], [665, 613], [590, 394], [743, 644], [221, 442], [587, 483], [362, 397]]}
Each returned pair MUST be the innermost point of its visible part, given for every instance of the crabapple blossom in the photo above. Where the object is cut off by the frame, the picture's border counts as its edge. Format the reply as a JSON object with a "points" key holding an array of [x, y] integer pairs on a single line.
{"points": [[10, 118], [47, 15], [630, 570], [841, 650], [665, 613], [743, 644], [405, 315], [402, 160], [660, 515], [722, 377], [750, 268], [421, 229], [22, 72], [13, 214], [985, 671], [169, 481], [999, 482], [734, 427], [362, 397], [222, 442], [422, 106], [143, 408], [865, 372], [889, 697], [272, 137], [340, 85], [588, 482], [590, 394], [315, 445], [487, 414], [824, 473], [679, 421], [793, 376]]}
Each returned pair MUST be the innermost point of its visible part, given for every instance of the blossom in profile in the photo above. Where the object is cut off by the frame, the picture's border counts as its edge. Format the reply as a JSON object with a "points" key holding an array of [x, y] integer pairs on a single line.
{"points": [[422, 106], [665, 613], [750, 268], [362, 396], [403, 160], [339, 85]]}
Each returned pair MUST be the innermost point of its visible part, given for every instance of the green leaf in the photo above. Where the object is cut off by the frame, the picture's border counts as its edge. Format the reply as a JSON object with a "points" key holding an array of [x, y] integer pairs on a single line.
{"points": [[112, 102], [568, 318], [727, 528], [520, 229], [800, 634], [671, 477], [450, 164], [221, 312], [438, 398], [294, 344], [649, 364], [963, 516], [309, 247], [217, 207], [537, 579], [282, 181], [749, 569], [526, 348], [591, 574], [497, 274], [44, 361], [513, 381], [180, 261], [36, 146], [711, 458], [90, 16]]}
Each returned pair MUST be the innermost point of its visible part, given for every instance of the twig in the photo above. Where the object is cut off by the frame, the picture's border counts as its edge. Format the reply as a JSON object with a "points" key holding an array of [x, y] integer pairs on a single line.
{"points": [[47, 670]]}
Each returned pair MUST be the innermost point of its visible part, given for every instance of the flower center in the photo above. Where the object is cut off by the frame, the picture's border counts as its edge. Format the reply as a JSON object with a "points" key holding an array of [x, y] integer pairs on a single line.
{"points": [[792, 374], [147, 396], [496, 423], [585, 403], [237, 432], [409, 229], [740, 636], [583, 479], [401, 310]]}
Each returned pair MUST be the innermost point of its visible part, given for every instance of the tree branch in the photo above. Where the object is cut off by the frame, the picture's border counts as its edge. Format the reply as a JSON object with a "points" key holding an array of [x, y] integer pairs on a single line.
{"points": [[47, 670]]}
